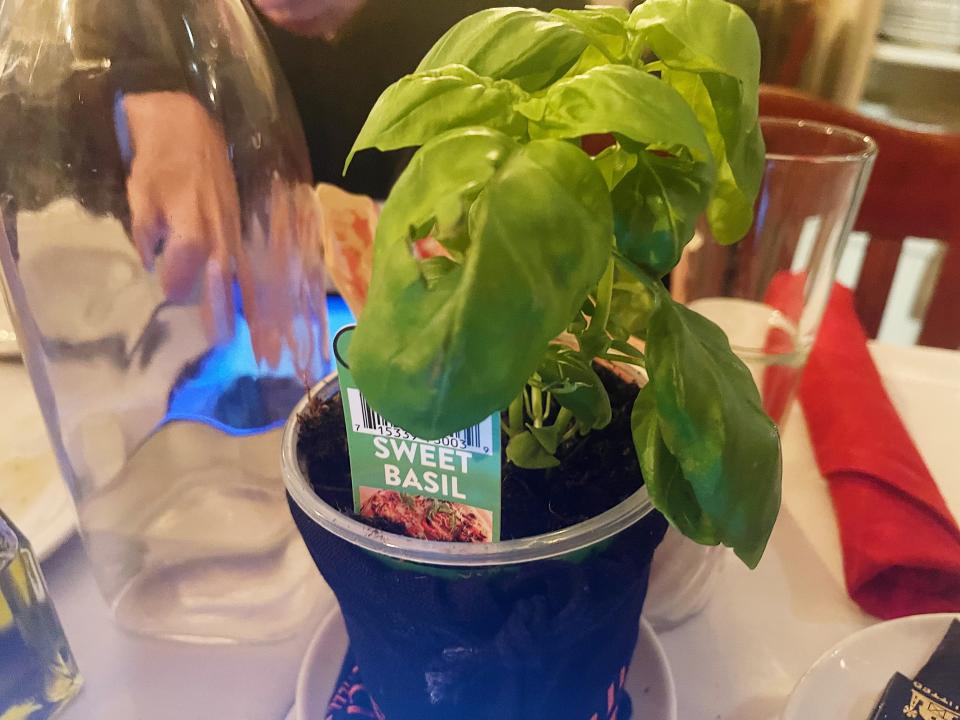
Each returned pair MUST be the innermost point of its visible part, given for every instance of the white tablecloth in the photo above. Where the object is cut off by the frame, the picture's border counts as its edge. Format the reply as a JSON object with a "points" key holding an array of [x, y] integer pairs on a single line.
{"points": [[738, 660]]}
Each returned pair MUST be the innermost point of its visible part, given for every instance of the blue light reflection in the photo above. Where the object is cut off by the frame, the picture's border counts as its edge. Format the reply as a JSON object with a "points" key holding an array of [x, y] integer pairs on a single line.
{"points": [[229, 390]]}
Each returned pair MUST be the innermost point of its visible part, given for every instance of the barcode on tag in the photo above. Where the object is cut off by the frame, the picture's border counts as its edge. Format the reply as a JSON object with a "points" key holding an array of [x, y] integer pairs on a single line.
{"points": [[478, 438]]}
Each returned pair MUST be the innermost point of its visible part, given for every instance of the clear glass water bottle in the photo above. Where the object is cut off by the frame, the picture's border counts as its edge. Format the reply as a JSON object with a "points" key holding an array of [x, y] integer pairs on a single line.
{"points": [[38, 675], [161, 256]]}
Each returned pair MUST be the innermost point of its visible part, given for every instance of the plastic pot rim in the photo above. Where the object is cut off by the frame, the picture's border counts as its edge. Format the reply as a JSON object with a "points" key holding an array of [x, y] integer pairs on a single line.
{"points": [[448, 554]]}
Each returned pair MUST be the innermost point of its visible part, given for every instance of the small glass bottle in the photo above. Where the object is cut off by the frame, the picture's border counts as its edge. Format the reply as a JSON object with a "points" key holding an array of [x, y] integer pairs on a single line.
{"points": [[38, 674]]}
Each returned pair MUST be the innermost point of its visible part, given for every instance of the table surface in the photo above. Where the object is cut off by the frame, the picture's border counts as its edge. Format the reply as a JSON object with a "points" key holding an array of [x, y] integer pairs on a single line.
{"points": [[737, 660]]}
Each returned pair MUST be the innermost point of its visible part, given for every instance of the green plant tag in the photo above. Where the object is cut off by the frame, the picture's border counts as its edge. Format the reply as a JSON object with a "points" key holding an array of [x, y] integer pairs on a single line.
{"points": [[446, 489]]}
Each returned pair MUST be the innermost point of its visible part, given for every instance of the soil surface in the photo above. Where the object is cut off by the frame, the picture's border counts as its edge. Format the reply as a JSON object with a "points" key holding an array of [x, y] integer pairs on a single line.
{"points": [[597, 471]]}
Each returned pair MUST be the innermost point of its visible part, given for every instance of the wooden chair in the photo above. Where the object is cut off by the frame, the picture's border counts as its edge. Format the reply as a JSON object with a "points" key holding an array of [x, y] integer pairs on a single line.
{"points": [[914, 192]]}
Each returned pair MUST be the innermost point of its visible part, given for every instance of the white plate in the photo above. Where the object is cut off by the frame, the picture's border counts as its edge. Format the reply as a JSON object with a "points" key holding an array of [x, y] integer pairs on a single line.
{"points": [[9, 350], [847, 681], [32, 492], [35, 497], [45, 516], [654, 696]]}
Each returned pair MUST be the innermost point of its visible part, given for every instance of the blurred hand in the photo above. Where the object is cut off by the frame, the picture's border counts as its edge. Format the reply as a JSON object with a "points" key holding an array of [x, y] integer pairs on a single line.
{"points": [[311, 18], [186, 224], [286, 257], [184, 208]]}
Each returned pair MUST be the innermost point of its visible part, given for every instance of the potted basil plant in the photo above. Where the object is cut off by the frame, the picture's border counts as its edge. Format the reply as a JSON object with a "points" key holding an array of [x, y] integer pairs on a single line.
{"points": [[563, 160]]}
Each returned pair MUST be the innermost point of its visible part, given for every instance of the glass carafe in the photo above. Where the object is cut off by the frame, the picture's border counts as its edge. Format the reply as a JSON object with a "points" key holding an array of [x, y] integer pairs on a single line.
{"points": [[161, 257]]}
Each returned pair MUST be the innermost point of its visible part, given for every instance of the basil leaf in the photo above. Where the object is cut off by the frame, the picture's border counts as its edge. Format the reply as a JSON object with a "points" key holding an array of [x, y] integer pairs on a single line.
{"points": [[434, 269], [576, 386], [604, 27], [592, 57], [622, 100], [548, 436], [437, 358], [423, 105], [739, 150], [716, 43], [712, 421], [524, 450], [614, 163], [656, 208], [703, 36], [623, 347], [671, 493], [530, 47], [631, 306]]}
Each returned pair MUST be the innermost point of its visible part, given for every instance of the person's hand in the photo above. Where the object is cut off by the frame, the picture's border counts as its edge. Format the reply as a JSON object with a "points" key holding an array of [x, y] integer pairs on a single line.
{"points": [[184, 207], [286, 258], [311, 18], [186, 224]]}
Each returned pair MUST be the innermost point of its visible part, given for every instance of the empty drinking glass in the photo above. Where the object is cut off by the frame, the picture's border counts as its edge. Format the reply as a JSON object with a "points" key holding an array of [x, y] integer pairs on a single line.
{"points": [[769, 291]]}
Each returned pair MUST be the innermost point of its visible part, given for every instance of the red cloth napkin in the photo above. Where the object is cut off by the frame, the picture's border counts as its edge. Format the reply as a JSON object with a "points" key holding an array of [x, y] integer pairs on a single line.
{"points": [[901, 545]]}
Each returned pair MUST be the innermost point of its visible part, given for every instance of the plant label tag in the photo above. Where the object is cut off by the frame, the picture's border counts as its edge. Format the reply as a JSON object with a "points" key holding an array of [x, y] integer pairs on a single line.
{"points": [[446, 489]]}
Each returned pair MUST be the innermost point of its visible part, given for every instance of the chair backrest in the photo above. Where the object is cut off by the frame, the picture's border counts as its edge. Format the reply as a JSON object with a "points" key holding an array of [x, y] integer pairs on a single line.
{"points": [[914, 192]]}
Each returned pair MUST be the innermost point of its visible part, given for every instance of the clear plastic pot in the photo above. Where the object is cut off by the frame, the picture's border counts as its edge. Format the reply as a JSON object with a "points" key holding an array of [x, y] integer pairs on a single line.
{"points": [[537, 627]]}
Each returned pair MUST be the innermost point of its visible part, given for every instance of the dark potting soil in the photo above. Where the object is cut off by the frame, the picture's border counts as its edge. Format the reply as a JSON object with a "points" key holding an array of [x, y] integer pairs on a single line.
{"points": [[596, 473]]}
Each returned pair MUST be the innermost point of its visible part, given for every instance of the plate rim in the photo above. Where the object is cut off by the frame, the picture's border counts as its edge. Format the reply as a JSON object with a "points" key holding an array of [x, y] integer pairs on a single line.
{"points": [[646, 634], [790, 709], [64, 528], [647, 631], [307, 662], [58, 526]]}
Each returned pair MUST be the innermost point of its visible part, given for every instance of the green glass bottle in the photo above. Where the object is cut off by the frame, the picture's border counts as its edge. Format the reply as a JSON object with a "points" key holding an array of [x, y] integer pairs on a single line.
{"points": [[38, 674]]}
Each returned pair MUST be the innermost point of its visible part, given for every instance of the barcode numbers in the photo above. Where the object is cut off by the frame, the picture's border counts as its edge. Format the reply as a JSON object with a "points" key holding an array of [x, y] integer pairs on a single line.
{"points": [[478, 438]]}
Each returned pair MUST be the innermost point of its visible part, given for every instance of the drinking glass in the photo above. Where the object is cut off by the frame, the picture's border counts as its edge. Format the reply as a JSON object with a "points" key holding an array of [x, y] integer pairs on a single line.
{"points": [[160, 248], [769, 291]]}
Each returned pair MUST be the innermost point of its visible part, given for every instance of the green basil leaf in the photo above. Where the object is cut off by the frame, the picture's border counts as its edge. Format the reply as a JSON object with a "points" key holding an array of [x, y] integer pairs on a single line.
{"points": [[631, 306], [737, 145], [604, 27], [712, 54], [434, 269], [423, 105], [548, 436], [435, 359], [671, 493], [585, 396], [703, 36], [530, 47], [712, 421], [577, 325], [592, 57], [656, 208], [614, 163], [525, 451], [622, 100], [625, 348]]}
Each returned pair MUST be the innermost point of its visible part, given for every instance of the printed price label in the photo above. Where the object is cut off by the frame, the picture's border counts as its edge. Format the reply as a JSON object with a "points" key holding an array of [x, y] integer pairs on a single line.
{"points": [[446, 489]]}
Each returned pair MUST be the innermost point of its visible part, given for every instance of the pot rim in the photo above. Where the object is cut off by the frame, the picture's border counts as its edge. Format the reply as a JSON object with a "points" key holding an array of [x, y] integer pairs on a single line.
{"points": [[433, 552]]}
